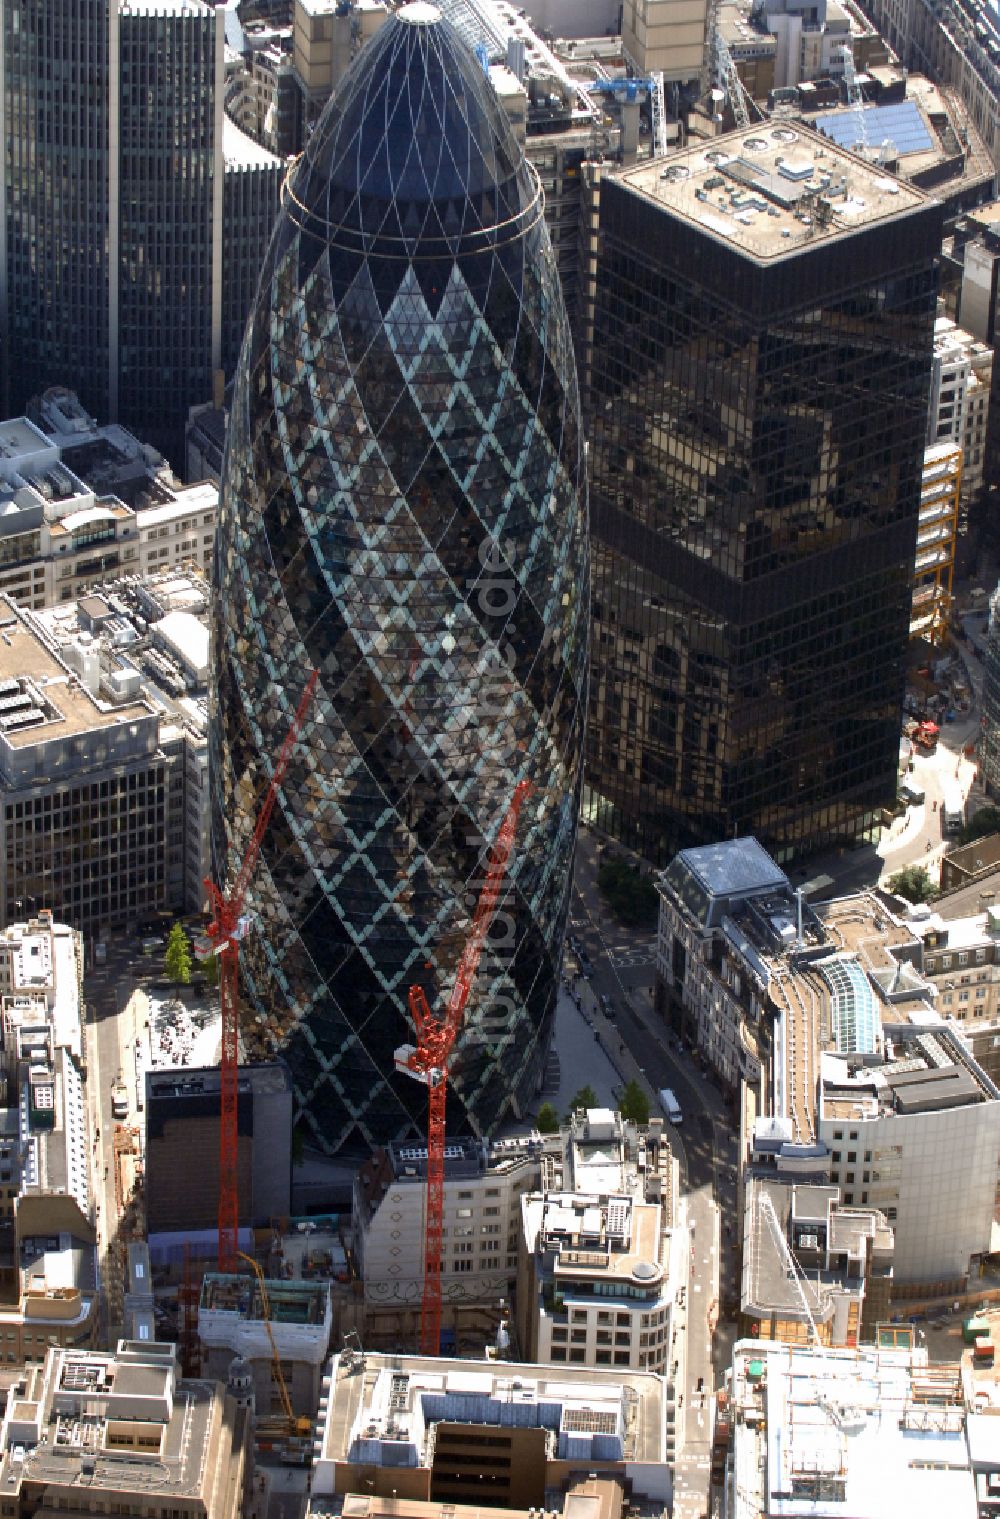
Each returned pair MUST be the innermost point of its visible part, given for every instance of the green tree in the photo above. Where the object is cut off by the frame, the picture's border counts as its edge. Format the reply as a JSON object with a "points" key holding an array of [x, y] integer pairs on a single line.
{"points": [[913, 883], [177, 956], [633, 1104], [631, 896], [586, 1097], [981, 825], [210, 970], [547, 1121]]}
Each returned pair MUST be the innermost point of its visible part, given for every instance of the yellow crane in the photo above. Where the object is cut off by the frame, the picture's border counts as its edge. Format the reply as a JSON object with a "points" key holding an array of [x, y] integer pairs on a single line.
{"points": [[296, 1425]]}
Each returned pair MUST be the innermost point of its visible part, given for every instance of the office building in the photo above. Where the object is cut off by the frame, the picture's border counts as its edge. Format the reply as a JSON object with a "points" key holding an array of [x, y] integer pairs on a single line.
{"points": [[989, 738], [917, 1132], [954, 42], [118, 257], [182, 1153], [430, 562], [820, 1431], [233, 1319], [483, 1187], [961, 381], [836, 1050], [813, 1268], [48, 1245], [757, 396], [430, 1431], [103, 753], [602, 1259], [977, 314], [81, 503], [662, 37], [123, 1433]]}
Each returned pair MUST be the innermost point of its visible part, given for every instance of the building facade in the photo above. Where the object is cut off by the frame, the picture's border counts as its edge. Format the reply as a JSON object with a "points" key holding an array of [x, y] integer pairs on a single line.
{"points": [[82, 503], [182, 1151], [483, 1188], [989, 738], [48, 1242], [961, 380], [757, 399], [430, 562], [113, 271], [103, 753]]}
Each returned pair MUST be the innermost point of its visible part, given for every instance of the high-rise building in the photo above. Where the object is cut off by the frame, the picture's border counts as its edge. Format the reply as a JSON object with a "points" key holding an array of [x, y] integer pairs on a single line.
{"points": [[127, 1427], [403, 510], [112, 275], [758, 383]]}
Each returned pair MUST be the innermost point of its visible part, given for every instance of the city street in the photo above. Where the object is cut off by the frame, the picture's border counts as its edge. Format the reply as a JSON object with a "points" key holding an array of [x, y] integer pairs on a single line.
{"points": [[623, 968]]}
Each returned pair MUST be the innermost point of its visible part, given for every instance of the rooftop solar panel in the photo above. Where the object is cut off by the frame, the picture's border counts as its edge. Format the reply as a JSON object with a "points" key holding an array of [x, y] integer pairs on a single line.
{"points": [[902, 124]]}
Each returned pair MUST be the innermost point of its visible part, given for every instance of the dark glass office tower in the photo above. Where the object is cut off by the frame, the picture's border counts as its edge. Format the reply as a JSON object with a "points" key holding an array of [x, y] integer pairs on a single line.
{"points": [[403, 509], [122, 253], [757, 406]]}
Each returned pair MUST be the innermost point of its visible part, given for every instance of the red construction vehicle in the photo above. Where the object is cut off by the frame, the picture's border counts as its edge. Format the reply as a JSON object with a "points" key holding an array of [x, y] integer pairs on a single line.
{"points": [[222, 938], [926, 736], [428, 1062]]}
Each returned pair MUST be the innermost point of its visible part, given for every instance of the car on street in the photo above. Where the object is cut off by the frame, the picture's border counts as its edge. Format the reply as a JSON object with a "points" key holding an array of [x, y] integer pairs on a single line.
{"points": [[607, 1006]]}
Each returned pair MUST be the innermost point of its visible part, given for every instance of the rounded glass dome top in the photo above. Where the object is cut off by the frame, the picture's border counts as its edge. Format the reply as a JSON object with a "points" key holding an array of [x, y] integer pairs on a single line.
{"points": [[414, 157], [403, 509]]}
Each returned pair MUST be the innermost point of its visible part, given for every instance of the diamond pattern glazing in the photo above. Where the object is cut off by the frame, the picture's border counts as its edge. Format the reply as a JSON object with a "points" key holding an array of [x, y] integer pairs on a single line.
{"points": [[403, 508]]}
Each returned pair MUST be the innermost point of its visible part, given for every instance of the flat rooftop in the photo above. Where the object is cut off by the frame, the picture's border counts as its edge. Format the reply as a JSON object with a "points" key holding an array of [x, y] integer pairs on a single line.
{"points": [[415, 1391], [773, 190], [866, 1432], [68, 708], [73, 1448]]}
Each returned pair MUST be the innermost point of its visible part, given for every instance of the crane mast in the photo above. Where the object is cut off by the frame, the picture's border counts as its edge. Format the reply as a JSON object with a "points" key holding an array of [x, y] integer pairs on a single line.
{"points": [[427, 1061], [222, 939]]}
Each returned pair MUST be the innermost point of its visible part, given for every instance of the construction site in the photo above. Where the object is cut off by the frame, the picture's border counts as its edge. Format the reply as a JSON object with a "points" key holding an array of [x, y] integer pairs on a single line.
{"points": [[280, 1329]]}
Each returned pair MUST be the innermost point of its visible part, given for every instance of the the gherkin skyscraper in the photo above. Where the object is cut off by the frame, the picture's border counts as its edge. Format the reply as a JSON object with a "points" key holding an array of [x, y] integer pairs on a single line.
{"points": [[403, 509]]}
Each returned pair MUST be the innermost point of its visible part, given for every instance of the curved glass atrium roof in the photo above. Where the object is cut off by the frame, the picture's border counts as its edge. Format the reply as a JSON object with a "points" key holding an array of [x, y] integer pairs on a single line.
{"points": [[855, 1015]]}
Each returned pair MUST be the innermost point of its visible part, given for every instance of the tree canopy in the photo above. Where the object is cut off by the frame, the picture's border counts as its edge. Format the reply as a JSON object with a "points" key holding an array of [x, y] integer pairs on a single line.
{"points": [[981, 825], [633, 1104], [547, 1121], [631, 896], [913, 883], [177, 955], [586, 1097]]}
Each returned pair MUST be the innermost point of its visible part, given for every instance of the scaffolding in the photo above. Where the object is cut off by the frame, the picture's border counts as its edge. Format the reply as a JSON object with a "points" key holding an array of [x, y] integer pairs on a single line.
{"points": [[937, 534]]}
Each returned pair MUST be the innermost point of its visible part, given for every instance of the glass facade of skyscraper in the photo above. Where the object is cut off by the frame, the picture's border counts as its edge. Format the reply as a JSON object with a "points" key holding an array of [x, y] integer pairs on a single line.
{"points": [[404, 510], [759, 377]]}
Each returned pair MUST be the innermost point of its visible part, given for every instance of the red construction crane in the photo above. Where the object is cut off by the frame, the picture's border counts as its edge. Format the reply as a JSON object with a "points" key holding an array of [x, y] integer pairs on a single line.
{"points": [[222, 938], [428, 1062]]}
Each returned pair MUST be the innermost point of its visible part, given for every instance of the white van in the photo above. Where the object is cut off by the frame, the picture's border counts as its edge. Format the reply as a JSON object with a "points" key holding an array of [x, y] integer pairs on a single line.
{"points": [[671, 1107]]}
